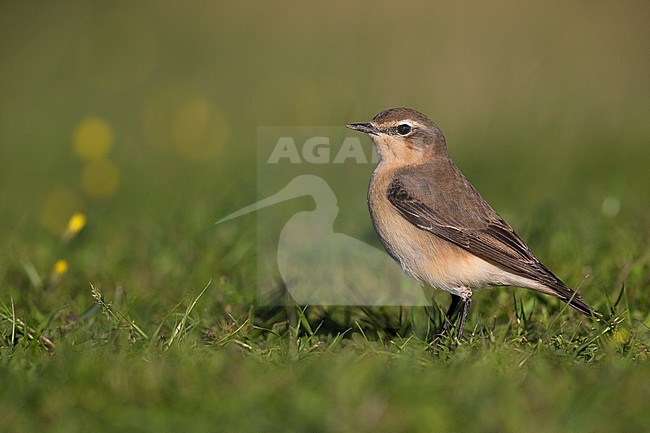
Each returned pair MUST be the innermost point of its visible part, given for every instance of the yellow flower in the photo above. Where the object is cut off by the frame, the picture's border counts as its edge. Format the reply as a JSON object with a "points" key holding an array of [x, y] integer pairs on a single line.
{"points": [[75, 225], [60, 268], [58, 272]]}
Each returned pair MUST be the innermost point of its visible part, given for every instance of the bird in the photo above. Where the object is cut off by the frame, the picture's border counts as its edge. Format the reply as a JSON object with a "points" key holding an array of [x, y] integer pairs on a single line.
{"points": [[437, 226]]}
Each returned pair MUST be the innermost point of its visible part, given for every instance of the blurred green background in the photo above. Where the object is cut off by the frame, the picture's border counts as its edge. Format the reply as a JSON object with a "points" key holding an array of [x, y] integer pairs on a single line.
{"points": [[143, 116], [524, 93]]}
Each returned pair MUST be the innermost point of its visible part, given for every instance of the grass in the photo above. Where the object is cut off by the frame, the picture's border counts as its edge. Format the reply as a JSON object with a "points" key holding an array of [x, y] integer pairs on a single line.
{"points": [[76, 356], [139, 314]]}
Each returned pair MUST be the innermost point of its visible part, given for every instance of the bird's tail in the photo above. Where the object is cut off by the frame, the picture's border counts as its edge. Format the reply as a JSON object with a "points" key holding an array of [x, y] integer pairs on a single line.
{"points": [[577, 303], [569, 296]]}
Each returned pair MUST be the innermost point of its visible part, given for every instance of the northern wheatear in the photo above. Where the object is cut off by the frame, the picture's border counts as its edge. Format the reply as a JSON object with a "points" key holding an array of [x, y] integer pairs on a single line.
{"points": [[434, 223]]}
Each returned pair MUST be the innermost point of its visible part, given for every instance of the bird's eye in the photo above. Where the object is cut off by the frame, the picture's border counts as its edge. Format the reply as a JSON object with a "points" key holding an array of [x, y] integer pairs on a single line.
{"points": [[404, 129]]}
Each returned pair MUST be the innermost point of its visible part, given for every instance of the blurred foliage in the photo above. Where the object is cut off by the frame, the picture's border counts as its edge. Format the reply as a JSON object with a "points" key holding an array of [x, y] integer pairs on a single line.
{"points": [[127, 129]]}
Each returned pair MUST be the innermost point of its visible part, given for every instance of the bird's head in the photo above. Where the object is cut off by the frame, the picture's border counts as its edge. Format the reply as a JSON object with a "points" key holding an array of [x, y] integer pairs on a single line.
{"points": [[404, 136]]}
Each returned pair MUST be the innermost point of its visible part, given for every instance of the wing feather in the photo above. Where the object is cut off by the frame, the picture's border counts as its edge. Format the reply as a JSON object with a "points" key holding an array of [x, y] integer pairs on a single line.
{"points": [[470, 223]]}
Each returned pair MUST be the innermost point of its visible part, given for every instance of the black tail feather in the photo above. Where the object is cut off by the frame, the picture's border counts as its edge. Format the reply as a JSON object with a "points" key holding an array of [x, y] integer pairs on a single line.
{"points": [[574, 300]]}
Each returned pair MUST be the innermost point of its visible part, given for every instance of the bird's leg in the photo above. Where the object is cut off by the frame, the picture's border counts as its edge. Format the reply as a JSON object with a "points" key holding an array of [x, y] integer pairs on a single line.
{"points": [[466, 304], [463, 300], [449, 316]]}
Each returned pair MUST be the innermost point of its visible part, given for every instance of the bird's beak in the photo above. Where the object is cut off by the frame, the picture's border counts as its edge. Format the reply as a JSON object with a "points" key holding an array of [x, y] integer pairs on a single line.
{"points": [[364, 127]]}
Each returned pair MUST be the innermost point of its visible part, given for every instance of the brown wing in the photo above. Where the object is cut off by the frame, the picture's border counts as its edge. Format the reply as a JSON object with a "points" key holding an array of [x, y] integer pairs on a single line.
{"points": [[470, 223]]}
